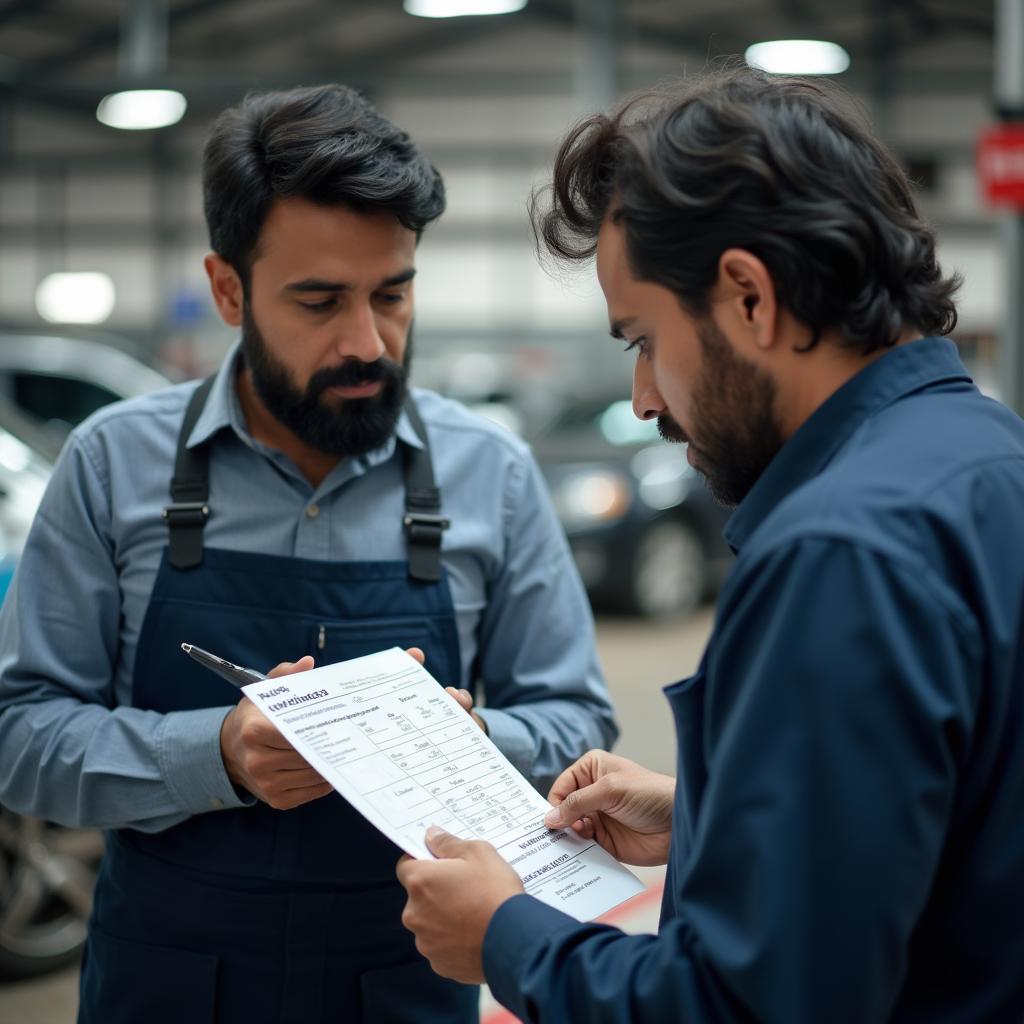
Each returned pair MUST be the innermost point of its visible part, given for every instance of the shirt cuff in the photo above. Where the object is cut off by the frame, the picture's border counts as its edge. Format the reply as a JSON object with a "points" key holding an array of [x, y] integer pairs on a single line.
{"points": [[512, 737], [191, 763], [515, 937]]}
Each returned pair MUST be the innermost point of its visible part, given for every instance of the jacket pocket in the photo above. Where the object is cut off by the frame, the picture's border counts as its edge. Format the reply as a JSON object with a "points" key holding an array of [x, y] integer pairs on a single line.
{"points": [[686, 698]]}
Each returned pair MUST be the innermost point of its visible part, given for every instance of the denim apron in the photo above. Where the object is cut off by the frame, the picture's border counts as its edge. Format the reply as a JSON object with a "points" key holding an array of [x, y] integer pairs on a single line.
{"points": [[249, 915]]}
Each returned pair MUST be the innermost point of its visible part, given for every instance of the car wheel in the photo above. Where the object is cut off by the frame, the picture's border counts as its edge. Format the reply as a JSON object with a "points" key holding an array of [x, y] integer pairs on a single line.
{"points": [[47, 875], [669, 574]]}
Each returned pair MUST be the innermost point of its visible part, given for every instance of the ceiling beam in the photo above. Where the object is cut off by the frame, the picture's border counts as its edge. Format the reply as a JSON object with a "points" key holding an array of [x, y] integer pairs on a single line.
{"points": [[107, 37]]}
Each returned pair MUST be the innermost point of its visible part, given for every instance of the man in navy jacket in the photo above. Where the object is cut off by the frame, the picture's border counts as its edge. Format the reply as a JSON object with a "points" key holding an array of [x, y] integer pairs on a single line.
{"points": [[845, 836]]}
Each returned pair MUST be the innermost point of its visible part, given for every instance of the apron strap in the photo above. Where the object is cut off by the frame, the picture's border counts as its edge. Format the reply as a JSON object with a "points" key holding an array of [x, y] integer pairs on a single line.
{"points": [[423, 521], [190, 488]]}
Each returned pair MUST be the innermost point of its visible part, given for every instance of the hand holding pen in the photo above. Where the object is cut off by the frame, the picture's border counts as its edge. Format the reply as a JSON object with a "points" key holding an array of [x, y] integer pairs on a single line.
{"points": [[255, 755]]}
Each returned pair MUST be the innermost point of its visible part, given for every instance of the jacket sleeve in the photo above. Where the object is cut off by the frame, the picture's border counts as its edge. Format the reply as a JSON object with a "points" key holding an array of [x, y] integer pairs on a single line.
{"points": [[839, 700], [547, 702], [66, 752]]}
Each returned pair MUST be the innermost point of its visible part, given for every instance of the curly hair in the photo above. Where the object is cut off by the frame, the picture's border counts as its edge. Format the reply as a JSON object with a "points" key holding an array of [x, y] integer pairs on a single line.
{"points": [[785, 168], [326, 144]]}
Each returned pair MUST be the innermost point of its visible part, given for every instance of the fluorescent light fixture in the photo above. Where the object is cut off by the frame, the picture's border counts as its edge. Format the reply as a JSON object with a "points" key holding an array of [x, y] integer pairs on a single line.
{"points": [[798, 57], [85, 298], [460, 8], [141, 108]]}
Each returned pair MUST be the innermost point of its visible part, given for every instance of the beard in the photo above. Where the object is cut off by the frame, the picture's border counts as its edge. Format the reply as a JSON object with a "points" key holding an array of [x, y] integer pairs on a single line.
{"points": [[357, 425], [736, 433]]}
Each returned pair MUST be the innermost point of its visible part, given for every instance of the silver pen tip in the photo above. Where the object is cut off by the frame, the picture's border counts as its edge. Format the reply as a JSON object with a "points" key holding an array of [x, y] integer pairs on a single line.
{"points": [[186, 648]]}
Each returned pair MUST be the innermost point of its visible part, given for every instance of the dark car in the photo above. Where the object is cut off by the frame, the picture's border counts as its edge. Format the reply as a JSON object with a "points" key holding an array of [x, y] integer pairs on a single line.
{"points": [[47, 872], [645, 532]]}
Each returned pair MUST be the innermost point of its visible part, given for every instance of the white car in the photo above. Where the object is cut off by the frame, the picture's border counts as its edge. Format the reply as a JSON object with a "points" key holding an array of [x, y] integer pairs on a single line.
{"points": [[58, 380]]}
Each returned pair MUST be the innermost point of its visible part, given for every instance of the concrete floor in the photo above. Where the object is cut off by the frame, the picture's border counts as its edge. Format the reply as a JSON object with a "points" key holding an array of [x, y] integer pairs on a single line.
{"points": [[639, 659]]}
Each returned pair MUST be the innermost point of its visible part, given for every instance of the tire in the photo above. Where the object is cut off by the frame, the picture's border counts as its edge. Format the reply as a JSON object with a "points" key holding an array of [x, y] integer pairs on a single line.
{"points": [[47, 876], [669, 573]]}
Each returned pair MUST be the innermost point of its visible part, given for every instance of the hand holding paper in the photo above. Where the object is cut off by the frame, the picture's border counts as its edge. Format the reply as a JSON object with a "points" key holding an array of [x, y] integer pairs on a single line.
{"points": [[260, 760], [405, 754], [452, 899], [627, 808]]}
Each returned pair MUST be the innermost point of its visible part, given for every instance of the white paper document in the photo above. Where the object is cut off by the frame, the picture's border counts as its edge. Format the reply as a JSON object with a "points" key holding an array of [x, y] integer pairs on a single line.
{"points": [[403, 752]]}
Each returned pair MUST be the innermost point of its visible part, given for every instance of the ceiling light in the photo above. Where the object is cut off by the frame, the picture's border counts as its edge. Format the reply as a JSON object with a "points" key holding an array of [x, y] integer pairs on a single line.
{"points": [[798, 57], [75, 298], [141, 108], [460, 8]]}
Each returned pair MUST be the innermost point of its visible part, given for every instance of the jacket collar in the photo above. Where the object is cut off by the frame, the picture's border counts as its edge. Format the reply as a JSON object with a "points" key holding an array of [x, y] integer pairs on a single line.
{"points": [[906, 368]]}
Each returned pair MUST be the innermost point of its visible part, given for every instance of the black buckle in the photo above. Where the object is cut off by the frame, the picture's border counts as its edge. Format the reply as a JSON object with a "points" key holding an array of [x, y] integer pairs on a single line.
{"points": [[186, 513], [413, 519]]}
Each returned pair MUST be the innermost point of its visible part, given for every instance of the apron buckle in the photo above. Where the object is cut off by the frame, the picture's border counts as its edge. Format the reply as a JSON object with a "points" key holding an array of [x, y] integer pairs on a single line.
{"points": [[186, 513]]}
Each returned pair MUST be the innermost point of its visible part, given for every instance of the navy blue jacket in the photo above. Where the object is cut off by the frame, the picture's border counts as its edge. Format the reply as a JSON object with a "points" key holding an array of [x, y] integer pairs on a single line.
{"points": [[848, 833]]}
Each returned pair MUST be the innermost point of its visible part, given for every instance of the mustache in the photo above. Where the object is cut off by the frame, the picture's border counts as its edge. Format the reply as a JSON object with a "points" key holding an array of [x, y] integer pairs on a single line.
{"points": [[671, 431], [352, 373]]}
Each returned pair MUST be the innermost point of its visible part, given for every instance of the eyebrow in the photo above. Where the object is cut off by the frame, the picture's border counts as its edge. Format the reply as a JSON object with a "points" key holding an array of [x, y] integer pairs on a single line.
{"points": [[318, 284], [618, 326]]}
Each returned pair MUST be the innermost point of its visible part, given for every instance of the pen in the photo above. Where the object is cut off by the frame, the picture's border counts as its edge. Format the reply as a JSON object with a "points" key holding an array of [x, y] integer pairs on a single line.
{"points": [[234, 674]]}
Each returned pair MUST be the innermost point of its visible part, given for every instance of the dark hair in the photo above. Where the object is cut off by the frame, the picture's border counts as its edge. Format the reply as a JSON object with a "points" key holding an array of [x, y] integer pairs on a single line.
{"points": [[326, 144], [781, 167]]}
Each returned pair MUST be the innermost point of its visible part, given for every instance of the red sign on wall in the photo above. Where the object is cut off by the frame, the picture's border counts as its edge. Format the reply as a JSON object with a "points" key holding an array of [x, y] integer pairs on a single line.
{"points": [[1001, 165]]}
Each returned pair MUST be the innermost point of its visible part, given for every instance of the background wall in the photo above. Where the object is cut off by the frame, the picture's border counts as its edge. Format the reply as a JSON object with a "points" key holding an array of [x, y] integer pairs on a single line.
{"points": [[487, 98]]}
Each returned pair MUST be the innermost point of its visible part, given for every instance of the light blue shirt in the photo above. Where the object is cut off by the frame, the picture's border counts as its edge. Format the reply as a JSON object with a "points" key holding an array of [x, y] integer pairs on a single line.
{"points": [[73, 750]]}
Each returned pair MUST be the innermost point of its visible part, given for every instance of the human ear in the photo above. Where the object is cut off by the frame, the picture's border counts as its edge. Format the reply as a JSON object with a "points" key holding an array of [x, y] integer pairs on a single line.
{"points": [[746, 292], [226, 289]]}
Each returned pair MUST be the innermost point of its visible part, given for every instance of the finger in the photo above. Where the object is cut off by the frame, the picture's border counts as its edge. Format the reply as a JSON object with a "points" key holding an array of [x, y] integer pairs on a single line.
{"points": [[296, 798], [580, 802], [580, 773], [403, 869], [271, 753], [415, 652], [443, 844], [464, 697], [288, 668], [585, 827], [300, 779], [262, 733]]}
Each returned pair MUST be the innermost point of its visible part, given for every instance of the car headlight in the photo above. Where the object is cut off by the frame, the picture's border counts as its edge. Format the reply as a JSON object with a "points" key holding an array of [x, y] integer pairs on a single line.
{"points": [[590, 497]]}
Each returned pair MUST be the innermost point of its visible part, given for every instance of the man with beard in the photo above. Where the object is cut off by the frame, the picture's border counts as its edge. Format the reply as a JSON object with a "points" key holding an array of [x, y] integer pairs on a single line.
{"points": [[844, 837], [303, 501]]}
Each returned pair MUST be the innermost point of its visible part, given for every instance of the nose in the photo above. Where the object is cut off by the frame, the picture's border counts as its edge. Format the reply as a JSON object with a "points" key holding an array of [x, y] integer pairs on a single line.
{"points": [[358, 335], [647, 402]]}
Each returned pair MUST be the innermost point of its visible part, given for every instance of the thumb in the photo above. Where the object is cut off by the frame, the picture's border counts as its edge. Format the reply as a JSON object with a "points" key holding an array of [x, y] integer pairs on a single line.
{"points": [[577, 804], [443, 845], [288, 668]]}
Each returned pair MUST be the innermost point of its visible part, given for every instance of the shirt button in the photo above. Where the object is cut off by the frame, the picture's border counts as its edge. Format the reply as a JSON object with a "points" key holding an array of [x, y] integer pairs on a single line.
{"points": [[216, 802], [312, 511]]}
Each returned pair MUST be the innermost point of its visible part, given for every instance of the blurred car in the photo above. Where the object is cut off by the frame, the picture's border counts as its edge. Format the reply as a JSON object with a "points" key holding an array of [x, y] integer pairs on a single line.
{"points": [[644, 530], [59, 380], [47, 872]]}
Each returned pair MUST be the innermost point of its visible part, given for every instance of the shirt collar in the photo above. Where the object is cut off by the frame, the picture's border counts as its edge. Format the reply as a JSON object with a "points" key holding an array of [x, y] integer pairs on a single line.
{"points": [[906, 368], [223, 409]]}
